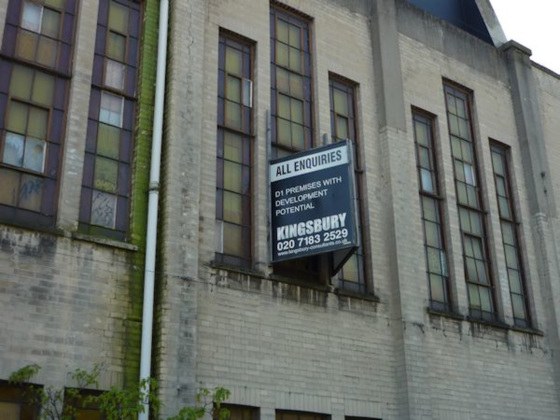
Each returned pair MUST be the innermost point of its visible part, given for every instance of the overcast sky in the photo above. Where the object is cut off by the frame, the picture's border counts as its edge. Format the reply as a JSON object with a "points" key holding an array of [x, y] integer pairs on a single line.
{"points": [[534, 24]]}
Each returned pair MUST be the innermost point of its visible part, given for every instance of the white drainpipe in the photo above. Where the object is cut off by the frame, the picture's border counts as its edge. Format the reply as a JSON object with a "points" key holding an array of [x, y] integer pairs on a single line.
{"points": [[151, 235]]}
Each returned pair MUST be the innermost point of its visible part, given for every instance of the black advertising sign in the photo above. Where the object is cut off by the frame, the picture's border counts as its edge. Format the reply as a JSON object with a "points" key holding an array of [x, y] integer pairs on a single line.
{"points": [[312, 202]]}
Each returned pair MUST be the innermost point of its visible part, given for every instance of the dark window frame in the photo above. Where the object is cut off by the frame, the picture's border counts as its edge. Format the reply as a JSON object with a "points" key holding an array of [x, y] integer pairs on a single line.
{"points": [[280, 415], [127, 129], [505, 152], [29, 409], [350, 88], [45, 216], [310, 269], [303, 22], [466, 96], [246, 133], [238, 412], [429, 120]]}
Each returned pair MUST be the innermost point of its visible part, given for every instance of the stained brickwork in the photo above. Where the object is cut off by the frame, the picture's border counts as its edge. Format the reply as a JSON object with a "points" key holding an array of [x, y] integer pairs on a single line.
{"points": [[296, 347], [69, 300]]}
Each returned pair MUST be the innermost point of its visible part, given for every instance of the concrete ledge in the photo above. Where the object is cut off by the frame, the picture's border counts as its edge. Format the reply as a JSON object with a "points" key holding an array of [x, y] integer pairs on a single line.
{"points": [[103, 241], [514, 45]]}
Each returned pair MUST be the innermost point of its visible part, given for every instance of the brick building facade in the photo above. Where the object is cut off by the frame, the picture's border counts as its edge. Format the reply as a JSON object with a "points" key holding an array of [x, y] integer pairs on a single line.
{"points": [[447, 311]]}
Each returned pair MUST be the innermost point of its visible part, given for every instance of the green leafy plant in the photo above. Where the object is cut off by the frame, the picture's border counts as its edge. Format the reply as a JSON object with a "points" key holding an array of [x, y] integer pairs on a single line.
{"points": [[51, 403], [115, 404], [207, 402]]}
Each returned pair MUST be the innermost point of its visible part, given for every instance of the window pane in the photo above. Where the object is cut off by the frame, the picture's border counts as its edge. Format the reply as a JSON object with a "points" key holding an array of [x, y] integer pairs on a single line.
{"points": [[497, 162], [21, 82], [282, 54], [108, 140], [518, 306], [17, 119], [295, 36], [233, 209], [463, 131], [485, 299], [118, 17], [116, 45], [501, 186], [459, 170], [462, 193], [341, 127], [43, 89], [30, 192], [350, 270], [421, 131], [233, 147], [508, 233], [31, 16], [51, 23], [13, 149], [46, 53], [461, 111], [111, 108], [37, 124], [477, 248], [514, 281], [295, 60], [467, 151], [106, 171], [427, 183], [437, 288], [233, 177], [474, 297], [35, 155], [282, 32], [296, 108], [9, 186], [298, 138], [55, 3], [284, 106], [476, 223], [469, 174], [9, 411], [283, 80], [247, 90], [432, 234], [233, 240], [430, 209], [456, 148], [434, 261], [465, 220], [424, 157], [504, 208], [453, 125], [114, 74], [340, 102], [481, 270], [103, 209], [296, 85], [233, 115], [234, 61], [284, 132], [511, 257], [472, 197], [471, 270], [83, 414], [468, 246], [26, 45], [233, 89]]}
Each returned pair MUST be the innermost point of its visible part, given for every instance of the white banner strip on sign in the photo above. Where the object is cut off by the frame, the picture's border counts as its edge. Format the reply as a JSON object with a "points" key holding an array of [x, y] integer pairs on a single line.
{"points": [[310, 163]]}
